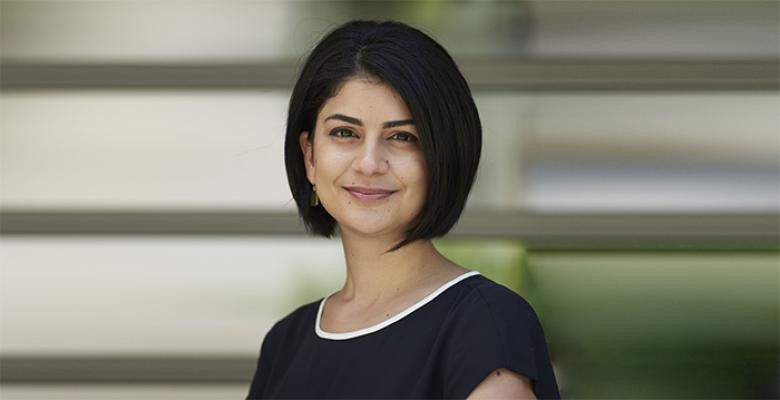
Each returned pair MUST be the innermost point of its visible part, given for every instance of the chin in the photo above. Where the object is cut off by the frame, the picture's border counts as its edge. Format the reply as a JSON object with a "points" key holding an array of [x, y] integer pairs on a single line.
{"points": [[367, 227], [371, 222]]}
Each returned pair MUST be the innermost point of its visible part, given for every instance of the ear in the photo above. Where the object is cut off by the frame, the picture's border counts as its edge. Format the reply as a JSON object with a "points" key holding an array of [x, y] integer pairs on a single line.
{"points": [[307, 148]]}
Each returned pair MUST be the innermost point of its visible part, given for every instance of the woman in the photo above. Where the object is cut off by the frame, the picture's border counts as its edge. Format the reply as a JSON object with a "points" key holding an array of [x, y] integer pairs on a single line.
{"points": [[383, 141]]}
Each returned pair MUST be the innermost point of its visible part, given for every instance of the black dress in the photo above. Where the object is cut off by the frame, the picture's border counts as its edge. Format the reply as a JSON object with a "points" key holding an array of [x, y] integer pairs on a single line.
{"points": [[441, 347]]}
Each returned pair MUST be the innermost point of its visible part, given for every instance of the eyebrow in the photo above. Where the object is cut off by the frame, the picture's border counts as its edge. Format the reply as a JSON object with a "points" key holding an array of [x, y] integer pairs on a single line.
{"points": [[355, 121]]}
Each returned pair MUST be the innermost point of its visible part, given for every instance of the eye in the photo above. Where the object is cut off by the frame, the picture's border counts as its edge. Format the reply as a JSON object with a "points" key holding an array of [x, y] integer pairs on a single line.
{"points": [[404, 137], [342, 133]]}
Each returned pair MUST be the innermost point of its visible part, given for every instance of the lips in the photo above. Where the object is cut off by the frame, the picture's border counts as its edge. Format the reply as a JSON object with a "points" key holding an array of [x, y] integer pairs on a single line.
{"points": [[364, 193]]}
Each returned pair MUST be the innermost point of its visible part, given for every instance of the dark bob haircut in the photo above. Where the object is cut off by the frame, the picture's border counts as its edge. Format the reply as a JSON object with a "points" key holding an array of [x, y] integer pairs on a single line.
{"points": [[436, 94]]}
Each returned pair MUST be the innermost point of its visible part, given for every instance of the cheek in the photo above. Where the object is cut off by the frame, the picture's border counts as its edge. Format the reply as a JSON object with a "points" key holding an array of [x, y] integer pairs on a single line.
{"points": [[413, 169], [413, 174], [328, 162]]}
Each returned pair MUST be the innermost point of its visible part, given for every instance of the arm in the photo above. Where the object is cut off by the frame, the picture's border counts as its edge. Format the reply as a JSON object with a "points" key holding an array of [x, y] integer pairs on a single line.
{"points": [[503, 384]]}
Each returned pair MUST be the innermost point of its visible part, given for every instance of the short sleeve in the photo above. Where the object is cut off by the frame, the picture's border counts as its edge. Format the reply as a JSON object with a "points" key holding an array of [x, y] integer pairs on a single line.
{"points": [[264, 364], [495, 328]]}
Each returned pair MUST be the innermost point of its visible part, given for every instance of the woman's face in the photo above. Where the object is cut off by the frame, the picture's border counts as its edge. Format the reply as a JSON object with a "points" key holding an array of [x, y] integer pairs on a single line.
{"points": [[366, 161]]}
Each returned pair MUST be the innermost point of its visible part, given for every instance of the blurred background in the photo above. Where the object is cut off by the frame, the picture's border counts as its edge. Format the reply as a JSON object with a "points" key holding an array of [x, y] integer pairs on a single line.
{"points": [[629, 189]]}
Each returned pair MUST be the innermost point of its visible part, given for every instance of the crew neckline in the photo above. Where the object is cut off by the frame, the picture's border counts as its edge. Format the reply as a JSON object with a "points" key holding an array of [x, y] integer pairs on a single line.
{"points": [[373, 328]]}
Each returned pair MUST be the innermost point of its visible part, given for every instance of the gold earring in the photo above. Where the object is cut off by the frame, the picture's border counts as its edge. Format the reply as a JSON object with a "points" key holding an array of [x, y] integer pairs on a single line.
{"points": [[314, 201]]}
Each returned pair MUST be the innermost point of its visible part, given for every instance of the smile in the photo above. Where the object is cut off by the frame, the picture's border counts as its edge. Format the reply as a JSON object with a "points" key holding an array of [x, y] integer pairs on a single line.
{"points": [[368, 194]]}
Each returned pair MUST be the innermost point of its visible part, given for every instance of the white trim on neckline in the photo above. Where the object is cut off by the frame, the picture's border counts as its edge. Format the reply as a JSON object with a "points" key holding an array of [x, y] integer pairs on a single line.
{"points": [[397, 317]]}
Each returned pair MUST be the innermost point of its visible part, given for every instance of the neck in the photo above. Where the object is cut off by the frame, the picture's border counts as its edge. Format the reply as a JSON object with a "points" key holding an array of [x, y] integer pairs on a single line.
{"points": [[375, 275]]}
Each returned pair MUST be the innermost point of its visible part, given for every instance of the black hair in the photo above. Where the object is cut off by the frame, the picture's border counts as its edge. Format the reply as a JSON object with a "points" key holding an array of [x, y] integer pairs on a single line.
{"points": [[436, 94]]}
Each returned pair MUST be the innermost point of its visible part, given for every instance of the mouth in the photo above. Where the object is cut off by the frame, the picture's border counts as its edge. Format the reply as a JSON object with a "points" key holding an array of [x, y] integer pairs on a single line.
{"points": [[368, 194]]}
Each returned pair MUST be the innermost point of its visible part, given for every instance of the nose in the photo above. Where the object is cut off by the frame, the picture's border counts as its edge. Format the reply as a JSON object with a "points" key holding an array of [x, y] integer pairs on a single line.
{"points": [[371, 159]]}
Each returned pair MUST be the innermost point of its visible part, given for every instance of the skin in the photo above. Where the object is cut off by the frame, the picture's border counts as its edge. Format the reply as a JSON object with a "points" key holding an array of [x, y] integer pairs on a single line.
{"points": [[503, 384], [365, 137]]}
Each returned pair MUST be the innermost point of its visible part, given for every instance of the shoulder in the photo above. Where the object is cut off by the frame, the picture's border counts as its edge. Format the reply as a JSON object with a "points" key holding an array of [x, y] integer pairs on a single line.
{"points": [[295, 321], [484, 313], [489, 311], [491, 327], [283, 338], [483, 295]]}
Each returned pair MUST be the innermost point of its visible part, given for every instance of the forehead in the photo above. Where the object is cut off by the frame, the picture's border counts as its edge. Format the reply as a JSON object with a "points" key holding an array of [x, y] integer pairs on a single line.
{"points": [[366, 99]]}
